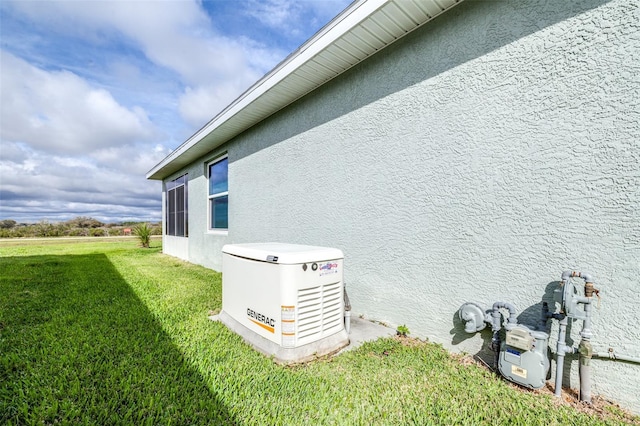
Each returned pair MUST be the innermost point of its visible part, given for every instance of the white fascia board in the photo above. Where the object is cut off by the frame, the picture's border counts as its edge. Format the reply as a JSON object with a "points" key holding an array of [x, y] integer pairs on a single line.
{"points": [[351, 17], [342, 24]]}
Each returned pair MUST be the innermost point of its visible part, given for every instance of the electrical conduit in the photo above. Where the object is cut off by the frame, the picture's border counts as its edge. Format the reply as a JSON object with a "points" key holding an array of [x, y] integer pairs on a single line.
{"points": [[616, 357]]}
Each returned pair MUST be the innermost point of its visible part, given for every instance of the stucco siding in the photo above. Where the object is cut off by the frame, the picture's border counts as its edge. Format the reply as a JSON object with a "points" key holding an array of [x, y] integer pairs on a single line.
{"points": [[473, 160]]}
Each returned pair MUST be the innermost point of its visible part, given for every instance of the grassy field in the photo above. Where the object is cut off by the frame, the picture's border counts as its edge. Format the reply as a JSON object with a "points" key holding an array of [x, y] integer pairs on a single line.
{"points": [[104, 332]]}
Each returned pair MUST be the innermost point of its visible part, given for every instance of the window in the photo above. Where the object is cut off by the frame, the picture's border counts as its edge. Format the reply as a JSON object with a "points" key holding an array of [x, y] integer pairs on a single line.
{"points": [[177, 212], [219, 194]]}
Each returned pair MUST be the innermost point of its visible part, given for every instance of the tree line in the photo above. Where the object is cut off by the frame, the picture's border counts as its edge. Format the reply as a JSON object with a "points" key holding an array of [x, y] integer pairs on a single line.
{"points": [[78, 227]]}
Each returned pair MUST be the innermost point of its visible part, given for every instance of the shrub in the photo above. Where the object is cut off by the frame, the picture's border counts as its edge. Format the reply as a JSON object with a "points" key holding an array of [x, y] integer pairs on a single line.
{"points": [[98, 232], [402, 330], [143, 232], [78, 232]]}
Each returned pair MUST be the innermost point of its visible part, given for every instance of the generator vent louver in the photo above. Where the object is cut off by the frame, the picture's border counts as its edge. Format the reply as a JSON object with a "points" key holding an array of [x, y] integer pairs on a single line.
{"points": [[319, 310]]}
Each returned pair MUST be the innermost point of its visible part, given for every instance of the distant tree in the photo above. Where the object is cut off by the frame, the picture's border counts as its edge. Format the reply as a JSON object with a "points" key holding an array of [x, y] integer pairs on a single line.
{"points": [[23, 231], [7, 223], [85, 222], [78, 232], [98, 232], [115, 231], [156, 229], [44, 229]]}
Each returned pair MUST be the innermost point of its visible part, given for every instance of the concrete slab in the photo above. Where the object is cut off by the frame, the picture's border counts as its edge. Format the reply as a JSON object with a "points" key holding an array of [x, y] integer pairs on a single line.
{"points": [[285, 355], [363, 330]]}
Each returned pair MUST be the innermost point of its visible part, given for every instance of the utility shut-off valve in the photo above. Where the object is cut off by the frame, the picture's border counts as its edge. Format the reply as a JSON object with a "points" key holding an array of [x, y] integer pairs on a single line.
{"points": [[523, 356]]}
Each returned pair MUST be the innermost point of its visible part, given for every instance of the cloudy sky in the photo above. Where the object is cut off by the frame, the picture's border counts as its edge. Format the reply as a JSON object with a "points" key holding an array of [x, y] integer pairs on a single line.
{"points": [[93, 94]]}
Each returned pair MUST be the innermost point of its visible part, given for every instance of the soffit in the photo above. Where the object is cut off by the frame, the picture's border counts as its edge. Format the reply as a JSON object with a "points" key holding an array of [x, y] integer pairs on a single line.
{"points": [[361, 30]]}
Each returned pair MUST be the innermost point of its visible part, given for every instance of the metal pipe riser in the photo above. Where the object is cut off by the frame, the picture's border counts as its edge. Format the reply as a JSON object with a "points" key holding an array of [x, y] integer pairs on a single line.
{"points": [[562, 344], [586, 352]]}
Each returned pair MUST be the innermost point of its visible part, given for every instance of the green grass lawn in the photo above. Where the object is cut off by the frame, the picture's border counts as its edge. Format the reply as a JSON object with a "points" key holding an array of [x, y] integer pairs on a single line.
{"points": [[104, 332]]}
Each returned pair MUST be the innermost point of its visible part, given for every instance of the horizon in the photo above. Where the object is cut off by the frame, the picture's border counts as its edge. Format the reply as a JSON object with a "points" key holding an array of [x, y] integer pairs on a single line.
{"points": [[119, 223]]}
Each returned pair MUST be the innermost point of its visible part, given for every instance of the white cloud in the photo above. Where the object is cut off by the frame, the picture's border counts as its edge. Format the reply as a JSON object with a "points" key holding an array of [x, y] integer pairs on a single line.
{"points": [[133, 160], [196, 105], [60, 112], [177, 35], [180, 36], [95, 93], [60, 187], [294, 17], [276, 13]]}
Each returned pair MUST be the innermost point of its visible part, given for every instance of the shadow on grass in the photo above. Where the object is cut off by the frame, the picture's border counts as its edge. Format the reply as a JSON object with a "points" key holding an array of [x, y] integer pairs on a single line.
{"points": [[78, 346]]}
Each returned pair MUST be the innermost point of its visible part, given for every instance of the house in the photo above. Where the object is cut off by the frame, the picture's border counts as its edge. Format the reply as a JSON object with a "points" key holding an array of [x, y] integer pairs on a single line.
{"points": [[454, 151]]}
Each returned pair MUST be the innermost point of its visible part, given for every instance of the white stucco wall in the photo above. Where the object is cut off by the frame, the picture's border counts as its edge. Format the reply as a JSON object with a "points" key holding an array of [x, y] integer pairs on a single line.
{"points": [[474, 160]]}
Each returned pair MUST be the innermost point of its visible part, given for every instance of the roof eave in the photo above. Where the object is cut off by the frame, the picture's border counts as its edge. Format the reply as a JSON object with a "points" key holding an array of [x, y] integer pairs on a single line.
{"points": [[244, 112]]}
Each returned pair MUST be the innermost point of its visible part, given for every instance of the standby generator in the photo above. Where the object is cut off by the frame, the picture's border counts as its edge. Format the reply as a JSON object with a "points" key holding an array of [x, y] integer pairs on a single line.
{"points": [[286, 300]]}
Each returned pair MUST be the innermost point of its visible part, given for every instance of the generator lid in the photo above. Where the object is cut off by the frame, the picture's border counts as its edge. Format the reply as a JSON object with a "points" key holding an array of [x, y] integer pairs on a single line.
{"points": [[288, 254]]}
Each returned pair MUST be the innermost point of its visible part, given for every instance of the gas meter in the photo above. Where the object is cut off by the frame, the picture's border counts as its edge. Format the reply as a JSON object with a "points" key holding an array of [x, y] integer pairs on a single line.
{"points": [[524, 356]]}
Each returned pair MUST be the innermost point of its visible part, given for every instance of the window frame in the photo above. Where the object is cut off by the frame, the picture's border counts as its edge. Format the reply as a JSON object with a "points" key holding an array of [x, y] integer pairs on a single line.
{"points": [[175, 189], [211, 197]]}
